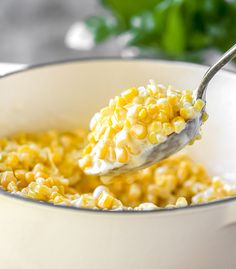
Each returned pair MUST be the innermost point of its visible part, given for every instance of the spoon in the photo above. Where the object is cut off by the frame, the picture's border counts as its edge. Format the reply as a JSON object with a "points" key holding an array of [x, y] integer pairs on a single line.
{"points": [[176, 142]]}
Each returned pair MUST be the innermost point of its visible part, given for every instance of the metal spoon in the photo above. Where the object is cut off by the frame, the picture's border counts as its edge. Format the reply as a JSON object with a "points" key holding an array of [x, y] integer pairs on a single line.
{"points": [[176, 142]]}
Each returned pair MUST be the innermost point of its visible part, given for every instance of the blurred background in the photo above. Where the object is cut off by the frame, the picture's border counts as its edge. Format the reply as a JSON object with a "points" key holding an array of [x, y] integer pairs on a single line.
{"points": [[47, 30]]}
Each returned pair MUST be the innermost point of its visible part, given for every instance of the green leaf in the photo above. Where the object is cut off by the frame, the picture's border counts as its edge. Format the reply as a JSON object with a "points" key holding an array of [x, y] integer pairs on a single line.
{"points": [[174, 35], [102, 27], [128, 8]]}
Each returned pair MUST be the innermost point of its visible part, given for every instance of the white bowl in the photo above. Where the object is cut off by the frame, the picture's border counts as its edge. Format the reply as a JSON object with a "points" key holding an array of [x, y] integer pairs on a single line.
{"points": [[65, 95]]}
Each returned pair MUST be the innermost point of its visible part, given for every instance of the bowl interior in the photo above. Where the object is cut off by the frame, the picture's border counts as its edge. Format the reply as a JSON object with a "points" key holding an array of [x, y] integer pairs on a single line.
{"points": [[65, 96]]}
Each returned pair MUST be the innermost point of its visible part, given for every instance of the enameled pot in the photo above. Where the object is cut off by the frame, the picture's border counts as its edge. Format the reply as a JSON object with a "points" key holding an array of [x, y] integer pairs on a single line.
{"points": [[35, 235]]}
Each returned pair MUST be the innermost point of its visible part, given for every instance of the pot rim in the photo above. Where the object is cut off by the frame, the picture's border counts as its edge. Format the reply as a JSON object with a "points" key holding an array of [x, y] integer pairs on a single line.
{"points": [[89, 210]]}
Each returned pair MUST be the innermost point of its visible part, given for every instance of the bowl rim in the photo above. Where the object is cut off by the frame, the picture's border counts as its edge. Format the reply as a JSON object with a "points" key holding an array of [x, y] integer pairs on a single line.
{"points": [[27, 68]]}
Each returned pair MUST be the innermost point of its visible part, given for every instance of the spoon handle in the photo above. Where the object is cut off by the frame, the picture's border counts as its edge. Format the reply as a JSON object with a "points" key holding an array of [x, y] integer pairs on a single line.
{"points": [[226, 57]]}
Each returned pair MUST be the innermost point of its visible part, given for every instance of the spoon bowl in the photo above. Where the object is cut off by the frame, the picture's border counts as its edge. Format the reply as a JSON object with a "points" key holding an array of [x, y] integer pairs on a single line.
{"points": [[175, 142]]}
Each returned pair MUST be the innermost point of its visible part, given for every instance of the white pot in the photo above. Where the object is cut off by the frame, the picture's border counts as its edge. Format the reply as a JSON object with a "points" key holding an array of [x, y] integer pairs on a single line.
{"points": [[42, 236]]}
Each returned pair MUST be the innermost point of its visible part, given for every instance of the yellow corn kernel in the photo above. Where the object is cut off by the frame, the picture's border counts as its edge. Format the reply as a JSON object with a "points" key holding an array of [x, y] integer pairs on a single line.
{"points": [[127, 124], [20, 174], [181, 202], [111, 155], [12, 187], [103, 150], [87, 149], [86, 201], [99, 133], [172, 99], [91, 138], [167, 128], [187, 92], [187, 112], [198, 105], [39, 167], [164, 106], [40, 174], [120, 114], [58, 199], [162, 116], [121, 155], [7, 177], [120, 101], [152, 138], [44, 190], [135, 192], [155, 138], [109, 133], [142, 114], [105, 200], [186, 98], [204, 117], [56, 157], [132, 148], [93, 122], [138, 100], [12, 160], [146, 206], [122, 138], [29, 177], [129, 94], [86, 161], [178, 124], [106, 111], [53, 195], [155, 126], [152, 109], [150, 101], [138, 131]]}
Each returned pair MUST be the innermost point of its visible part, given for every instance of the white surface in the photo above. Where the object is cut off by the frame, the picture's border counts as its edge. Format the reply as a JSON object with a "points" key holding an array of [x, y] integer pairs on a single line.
{"points": [[65, 96]]}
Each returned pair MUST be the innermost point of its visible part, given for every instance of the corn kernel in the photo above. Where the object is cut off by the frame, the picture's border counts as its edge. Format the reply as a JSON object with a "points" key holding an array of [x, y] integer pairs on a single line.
{"points": [[29, 177], [138, 100], [127, 124], [86, 161], [138, 131], [20, 174], [87, 149], [129, 94], [162, 116], [172, 99], [97, 192], [146, 206], [167, 128], [205, 117], [109, 133], [103, 150], [155, 126], [198, 105], [105, 200], [142, 114], [152, 138], [120, 101], [150, 101], [121, 155], [187, 97], [106, 111], [122, 138], [187, 112], [181, 202], [111, 154], [7, 177], [178, 124], [153, 109]]}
